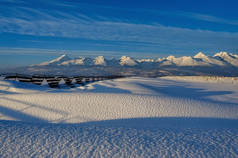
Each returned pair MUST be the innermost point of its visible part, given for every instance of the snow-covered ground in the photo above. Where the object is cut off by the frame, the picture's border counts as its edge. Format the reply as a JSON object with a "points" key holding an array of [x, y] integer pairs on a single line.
{"points": [[128, 117]]}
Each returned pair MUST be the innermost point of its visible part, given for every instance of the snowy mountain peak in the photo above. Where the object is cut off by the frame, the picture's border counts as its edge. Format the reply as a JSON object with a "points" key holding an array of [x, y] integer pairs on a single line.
{"points": [[228, 57], [127, 61], [99, 61], [208, 60], [171, 58], [57, 61], [77, 61], [63, 57], [200, 59], [145, 60], [222, 54], [187, 58], [200, 55], [160, 60], [186, 61]]}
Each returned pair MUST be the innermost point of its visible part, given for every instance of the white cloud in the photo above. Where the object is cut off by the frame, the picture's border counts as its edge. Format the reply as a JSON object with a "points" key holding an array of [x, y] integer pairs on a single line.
{"points": [[29, 21]]}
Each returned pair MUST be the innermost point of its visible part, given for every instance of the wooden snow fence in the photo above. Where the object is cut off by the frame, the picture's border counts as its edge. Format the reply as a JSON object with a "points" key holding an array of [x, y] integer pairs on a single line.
{"points": [[57, 81], [18, 77], [79, 80], [24, 78], [11, 77], [53, 82]]}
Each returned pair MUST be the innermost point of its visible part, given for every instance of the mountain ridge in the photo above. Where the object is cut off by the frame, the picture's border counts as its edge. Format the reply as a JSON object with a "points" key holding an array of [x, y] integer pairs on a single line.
{"points": [[200, 59], [220, 64]]}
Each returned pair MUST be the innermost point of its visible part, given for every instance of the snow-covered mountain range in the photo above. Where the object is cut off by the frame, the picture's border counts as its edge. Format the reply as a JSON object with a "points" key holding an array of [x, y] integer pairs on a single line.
{"points": [[220, 64], [200, 59]]}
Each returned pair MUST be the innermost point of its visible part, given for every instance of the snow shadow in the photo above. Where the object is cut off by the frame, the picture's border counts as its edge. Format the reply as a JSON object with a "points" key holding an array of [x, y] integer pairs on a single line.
{"points": [[20, 116], [151, 123], [182, 91], [35, 105], [139, 137], [4, 89], [167, 122], [23, 85], [97, 88], [6, 92]]}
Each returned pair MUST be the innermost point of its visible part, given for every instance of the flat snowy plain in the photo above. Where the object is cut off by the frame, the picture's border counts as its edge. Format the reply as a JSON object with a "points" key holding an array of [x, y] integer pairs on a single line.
{"points": [[128, 117]]}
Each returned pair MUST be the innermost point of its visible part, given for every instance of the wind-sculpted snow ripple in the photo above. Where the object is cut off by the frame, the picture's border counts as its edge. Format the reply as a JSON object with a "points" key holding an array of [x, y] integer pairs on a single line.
{"points": [[81, 107], [45, 140], [128, 117]]}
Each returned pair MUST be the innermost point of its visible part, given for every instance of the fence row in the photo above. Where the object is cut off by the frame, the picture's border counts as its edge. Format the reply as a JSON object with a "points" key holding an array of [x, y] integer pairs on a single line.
{"points": [[56, 81]]}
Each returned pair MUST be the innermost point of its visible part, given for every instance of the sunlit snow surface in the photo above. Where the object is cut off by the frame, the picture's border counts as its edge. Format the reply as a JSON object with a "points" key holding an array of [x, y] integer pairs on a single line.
{"points": [[129, 117]]}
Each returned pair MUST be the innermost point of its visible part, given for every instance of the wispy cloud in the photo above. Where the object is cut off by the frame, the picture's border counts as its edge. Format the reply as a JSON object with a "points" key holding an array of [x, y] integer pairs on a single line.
{"points": [[12, 1], [209, 18], [59, 23], [67, 25], [74, 53]]}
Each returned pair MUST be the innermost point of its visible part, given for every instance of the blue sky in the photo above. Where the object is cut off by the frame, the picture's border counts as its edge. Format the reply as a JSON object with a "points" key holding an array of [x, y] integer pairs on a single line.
{"points": [[34, 31]]}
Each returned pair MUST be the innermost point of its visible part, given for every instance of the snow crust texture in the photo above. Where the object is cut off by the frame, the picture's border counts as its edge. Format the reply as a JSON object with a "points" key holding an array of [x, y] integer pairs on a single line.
{"points": [[128, 117], [31, 140]]}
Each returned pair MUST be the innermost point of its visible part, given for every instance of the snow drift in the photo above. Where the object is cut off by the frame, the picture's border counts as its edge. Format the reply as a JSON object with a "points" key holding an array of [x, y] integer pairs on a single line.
{"points": [[128, 117]]}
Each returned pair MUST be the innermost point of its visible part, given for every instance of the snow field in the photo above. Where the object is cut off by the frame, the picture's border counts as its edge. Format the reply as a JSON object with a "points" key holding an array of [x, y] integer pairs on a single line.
{"points": [[127, 117], [76, 108], [32, 140], [118, 99]]}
